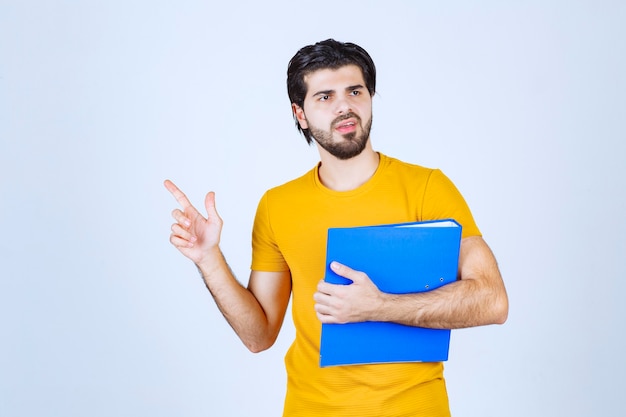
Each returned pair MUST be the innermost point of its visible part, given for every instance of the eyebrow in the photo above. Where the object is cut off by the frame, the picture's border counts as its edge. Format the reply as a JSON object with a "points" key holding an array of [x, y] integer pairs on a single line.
{"points": [[324, 93], [329, 92]]}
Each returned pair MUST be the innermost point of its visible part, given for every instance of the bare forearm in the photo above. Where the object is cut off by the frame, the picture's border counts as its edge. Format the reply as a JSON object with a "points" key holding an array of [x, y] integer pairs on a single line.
{"points": [[255, 313], [461, 304], [237, 304], [477, 299]]}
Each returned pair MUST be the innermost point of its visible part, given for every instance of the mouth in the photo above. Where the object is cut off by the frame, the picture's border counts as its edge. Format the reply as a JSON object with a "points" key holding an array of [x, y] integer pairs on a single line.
{"points": [[346, 126]]}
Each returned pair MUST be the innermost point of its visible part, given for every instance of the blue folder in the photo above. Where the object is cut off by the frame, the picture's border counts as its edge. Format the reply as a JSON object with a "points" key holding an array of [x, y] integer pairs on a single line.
{"points": [[399, 258]]}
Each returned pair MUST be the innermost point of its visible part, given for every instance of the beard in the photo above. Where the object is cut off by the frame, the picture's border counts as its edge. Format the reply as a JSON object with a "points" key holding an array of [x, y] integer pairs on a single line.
{"points": [[352, 143]]}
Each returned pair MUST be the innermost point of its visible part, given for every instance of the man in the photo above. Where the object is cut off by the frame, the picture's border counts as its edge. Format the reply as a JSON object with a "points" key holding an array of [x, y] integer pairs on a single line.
{"points": [[331, 85]]}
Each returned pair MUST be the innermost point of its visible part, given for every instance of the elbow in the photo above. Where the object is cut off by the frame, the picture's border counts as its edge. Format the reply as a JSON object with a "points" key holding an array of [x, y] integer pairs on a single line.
{"points": [[501, 318], [258, 348], [260, 345], [501, 310], [260, 338]]}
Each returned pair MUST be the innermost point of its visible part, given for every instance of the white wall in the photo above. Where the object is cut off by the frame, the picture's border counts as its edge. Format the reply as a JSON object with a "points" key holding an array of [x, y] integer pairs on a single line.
{"points": [[522, 104]]}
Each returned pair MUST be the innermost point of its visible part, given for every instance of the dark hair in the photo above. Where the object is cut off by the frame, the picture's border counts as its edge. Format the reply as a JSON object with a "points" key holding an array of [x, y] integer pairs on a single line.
{"points": [[328, 54]]}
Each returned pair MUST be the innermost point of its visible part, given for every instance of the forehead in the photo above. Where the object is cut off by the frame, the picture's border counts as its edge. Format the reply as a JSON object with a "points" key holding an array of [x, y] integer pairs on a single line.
{"points": [[333, 79]]}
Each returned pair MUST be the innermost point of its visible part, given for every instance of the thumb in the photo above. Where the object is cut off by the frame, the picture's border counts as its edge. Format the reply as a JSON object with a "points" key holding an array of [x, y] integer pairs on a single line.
{"points": [[345, 271], [209, 204]]}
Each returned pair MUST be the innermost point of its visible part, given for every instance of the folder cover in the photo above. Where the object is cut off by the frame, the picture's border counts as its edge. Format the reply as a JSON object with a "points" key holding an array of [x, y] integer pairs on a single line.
{"points": [[399, 258]]}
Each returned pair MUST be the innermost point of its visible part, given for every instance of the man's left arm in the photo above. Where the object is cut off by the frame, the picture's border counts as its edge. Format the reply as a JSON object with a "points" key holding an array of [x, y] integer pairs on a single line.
{"points": [[477, 298]]}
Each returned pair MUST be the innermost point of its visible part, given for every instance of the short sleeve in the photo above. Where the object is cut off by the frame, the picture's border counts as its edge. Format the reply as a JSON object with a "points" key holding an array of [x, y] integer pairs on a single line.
{"points": [[442, 200], [266, 255]]}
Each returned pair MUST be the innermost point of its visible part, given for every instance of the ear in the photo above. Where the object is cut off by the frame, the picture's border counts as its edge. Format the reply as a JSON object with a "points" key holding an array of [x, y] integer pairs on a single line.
{"points": [[298, 113]]}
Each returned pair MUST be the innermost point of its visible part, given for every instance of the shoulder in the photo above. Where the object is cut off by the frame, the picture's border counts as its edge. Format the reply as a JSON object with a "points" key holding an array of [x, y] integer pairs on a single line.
{"points": [[410, 174], [399, 166], [304, 181], [286, 194]]}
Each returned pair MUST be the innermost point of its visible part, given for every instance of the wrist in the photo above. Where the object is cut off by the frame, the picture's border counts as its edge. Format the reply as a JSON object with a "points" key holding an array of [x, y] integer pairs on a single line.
{"points": [[210, 263], [385, 306]]}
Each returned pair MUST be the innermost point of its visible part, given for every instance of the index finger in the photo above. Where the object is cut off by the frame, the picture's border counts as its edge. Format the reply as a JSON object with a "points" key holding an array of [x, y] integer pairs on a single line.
{"points": [[178, 194]]}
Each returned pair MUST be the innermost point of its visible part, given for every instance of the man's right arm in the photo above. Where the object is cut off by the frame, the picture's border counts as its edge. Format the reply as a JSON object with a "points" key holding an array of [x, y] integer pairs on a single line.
{"points": [[256, 313]]}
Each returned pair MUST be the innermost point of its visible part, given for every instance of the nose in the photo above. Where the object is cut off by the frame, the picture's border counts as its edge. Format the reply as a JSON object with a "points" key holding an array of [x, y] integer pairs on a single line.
{"points": [[342, 106]]}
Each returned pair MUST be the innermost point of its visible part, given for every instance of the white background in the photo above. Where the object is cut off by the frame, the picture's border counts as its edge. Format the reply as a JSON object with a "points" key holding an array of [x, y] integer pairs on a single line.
{"points": [[522, 104]]}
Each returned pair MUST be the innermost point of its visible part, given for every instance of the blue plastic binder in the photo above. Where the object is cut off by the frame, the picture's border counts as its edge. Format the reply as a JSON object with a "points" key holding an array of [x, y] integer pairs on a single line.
{"points": [[398, 258]]}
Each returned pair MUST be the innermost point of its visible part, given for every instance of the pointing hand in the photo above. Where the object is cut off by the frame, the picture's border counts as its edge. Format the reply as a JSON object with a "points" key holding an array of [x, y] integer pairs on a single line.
{"points": [[192, 234]]}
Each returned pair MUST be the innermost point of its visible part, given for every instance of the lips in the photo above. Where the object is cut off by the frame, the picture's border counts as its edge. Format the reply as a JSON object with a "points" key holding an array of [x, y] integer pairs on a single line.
{"points": [[346, 126]]}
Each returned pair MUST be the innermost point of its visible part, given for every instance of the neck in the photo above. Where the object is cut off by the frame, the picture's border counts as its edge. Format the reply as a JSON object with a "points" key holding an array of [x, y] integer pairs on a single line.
{"points": [[346, 175]]}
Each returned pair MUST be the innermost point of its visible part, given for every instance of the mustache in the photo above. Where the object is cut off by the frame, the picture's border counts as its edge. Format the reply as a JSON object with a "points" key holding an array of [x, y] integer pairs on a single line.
{"points": [[346, 116]]}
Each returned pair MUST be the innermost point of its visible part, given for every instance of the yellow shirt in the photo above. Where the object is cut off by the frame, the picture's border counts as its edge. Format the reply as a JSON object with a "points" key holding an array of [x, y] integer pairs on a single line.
{"points": [[290, 230]]}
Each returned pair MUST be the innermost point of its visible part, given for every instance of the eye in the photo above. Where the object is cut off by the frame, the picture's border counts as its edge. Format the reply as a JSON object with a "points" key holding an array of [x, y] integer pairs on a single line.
{"points": [[324, 98], [355, 92]]}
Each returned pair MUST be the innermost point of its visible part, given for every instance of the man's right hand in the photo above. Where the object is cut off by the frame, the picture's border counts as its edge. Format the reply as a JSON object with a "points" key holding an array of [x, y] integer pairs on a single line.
{"points": [[256, 313], [192, 234]]}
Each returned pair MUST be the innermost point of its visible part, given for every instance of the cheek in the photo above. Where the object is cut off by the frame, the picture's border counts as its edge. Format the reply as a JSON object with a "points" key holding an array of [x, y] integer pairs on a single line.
{"points": [[312, 118], [365, 114]]}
